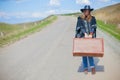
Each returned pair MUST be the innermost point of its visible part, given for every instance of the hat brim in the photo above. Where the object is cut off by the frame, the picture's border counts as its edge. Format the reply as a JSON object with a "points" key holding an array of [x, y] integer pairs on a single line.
{"points": [[86, 9]]}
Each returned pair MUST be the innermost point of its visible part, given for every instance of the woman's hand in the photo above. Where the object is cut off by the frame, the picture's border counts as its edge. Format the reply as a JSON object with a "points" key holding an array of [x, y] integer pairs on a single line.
{"points": [[88, 36], [91, 34]]}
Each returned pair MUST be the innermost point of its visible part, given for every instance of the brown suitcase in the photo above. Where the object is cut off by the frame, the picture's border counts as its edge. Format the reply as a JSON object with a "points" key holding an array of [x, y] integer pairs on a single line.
{"points": [[88, 47]]}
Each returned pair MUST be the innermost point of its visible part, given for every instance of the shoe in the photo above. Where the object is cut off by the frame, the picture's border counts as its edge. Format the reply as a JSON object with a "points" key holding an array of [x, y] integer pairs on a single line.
{"points": [[93, 71], [86, 71]]}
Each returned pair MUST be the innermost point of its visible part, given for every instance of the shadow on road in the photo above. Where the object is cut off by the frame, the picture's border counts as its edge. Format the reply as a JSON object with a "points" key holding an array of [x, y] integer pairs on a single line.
{"points": [[99, 68]]}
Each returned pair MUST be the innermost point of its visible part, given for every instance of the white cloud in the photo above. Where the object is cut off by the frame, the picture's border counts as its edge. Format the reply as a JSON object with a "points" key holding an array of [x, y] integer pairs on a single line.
{"points": [[36, 15], [54, 2], [104, 0], [51, 12], [4, 15], [83, 2], [57, 11], [28, 15], [20, 1], [67, 11], [17, 1], [23, 15]]}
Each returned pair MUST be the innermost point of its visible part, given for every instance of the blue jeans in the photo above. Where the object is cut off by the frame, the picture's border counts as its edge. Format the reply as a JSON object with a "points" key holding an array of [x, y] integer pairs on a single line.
{"points": [[86, 60]]}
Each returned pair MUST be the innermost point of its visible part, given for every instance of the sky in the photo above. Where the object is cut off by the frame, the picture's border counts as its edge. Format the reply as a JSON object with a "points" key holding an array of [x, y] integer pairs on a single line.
{"points": [[20, 11]]}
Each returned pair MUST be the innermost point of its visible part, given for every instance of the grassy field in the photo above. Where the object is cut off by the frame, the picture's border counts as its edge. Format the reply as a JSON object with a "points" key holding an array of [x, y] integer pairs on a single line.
{"points": [[111, 29], [12, 33], [72, 14], [109, 14]]}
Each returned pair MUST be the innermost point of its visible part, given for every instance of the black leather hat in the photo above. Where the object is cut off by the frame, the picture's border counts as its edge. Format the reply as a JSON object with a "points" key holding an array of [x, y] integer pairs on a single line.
{"points": [[87, 7]]}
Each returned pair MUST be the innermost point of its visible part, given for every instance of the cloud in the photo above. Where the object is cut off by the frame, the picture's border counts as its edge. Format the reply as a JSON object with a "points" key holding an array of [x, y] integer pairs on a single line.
{"points": [[67, 11], [24, 15], [27, 15], [17, 1], [36, 15], [20, 1], [83, 2], [51, 12], [57, 11], [104, 0], [4, 15], [54, 2]]}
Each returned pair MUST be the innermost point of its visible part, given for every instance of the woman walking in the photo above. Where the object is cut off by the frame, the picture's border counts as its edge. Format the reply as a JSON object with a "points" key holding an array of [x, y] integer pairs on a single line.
{"points": [[86, 28]]}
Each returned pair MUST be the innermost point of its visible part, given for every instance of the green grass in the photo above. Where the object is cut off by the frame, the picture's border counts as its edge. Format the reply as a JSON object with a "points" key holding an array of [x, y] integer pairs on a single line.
{"points": [[110, 14], [72, 14], [16, 32], [109, 28], [8, 28]]}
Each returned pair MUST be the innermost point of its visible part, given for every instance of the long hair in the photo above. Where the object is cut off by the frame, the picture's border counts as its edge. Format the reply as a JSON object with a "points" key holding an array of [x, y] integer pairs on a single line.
{"points": [[88, 18]]}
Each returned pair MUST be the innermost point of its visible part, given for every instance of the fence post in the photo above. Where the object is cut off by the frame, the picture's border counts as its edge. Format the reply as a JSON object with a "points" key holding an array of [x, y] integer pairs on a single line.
{"points": [[118, 26], [35, 23], [1, 34], [105, 22]]}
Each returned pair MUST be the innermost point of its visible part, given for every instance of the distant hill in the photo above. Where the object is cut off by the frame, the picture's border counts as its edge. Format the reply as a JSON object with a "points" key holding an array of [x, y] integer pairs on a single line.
{"points": [[12, 32], [11, 28], [109, 14], [8, 28]]}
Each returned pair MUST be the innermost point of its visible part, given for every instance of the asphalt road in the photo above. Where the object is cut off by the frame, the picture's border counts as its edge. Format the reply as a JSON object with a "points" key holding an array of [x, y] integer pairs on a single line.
{"points": [[47, 55]]}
